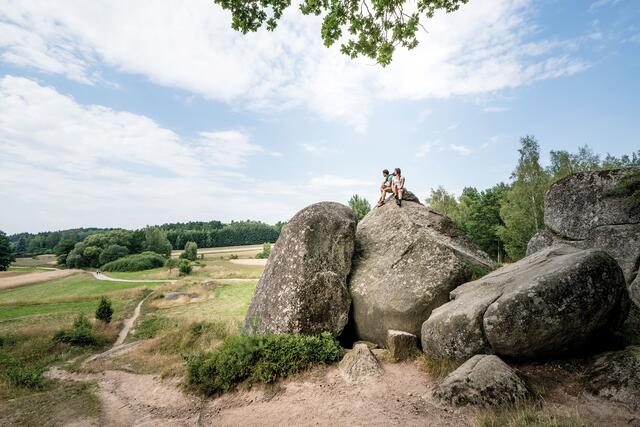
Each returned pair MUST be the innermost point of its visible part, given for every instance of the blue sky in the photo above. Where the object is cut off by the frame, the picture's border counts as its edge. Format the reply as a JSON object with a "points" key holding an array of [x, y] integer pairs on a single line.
{"points": [[116, 114]]}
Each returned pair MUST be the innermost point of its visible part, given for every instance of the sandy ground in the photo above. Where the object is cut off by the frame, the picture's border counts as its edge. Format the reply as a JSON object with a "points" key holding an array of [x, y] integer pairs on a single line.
{"points": [[319, 397], [249, 261], [35, 277]]}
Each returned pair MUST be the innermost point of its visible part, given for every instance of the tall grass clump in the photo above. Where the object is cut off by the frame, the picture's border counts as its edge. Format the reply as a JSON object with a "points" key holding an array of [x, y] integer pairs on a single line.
{"points": [[261, 358], [81, 334], [138, 262]]}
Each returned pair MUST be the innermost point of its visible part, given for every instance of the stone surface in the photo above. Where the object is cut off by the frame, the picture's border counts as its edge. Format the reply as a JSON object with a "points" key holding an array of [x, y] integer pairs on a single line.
{"points": [[578, 213], [555, 301], [484, 380], [576, 205], [407, 260], [303, 288], [616, 376], [359, 365], [402, 345]]}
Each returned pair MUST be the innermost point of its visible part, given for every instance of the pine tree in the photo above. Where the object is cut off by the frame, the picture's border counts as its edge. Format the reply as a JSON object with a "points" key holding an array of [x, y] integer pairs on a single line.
{"points": [[104, 311]]}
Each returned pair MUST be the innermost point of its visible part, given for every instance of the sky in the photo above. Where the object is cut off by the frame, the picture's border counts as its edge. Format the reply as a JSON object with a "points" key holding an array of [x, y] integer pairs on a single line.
{"points": [[117, 113]]}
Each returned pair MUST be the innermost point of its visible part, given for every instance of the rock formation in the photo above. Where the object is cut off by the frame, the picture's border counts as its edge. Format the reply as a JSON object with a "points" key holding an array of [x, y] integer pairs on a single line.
{"points": [[554, 301], [484, 380], [402, 345], [578, 212], [303, 288], [359, 364], [616, 376], [407, 260]]}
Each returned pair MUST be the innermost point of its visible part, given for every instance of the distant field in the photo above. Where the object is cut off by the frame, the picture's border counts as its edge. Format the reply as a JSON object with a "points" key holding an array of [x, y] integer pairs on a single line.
{"points": [[248, 251], [46, 260], [58, 301], [38, 276]]}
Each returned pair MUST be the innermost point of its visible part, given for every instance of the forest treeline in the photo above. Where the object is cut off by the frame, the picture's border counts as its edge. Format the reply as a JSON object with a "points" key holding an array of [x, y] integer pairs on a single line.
{"points": [[204, 234], [503, 218]]}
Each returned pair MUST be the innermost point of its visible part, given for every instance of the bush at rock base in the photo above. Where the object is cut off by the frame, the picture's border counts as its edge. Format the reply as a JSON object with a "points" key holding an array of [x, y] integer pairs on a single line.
{"points": [[260, 358]]}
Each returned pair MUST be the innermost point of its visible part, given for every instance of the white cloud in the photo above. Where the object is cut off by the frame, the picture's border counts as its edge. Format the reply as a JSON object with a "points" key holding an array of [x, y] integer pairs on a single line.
{"points": [[425, 149], [483, 48], [460, 149], [328, 182], [67, 164], [495, 109], [601, 3]]}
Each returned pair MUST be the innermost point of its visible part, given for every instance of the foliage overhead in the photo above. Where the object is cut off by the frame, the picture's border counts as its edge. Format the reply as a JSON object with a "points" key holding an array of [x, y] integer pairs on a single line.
{"points": [[371, 28]]}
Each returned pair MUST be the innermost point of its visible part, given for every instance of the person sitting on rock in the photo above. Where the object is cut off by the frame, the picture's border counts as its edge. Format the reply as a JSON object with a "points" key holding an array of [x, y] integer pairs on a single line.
{"points": [[386, 186], [398, 186]]}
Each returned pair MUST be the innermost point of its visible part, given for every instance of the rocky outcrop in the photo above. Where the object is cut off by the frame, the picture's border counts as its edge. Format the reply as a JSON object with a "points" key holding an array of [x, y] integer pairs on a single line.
{"points": [[549, 303], [407, 260], [401, 345], [303, 288], [484, 380], [616, 376], [359, 365], [578, 212]]}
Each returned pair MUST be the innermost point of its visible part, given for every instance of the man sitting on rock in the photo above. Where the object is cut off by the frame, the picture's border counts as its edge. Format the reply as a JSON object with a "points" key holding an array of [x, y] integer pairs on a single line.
{"points": [[386, 186]]}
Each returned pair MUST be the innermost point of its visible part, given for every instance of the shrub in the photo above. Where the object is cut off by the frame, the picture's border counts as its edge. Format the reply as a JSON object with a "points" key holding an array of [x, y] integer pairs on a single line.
{"points": [[80, 335], [232, 256], [266, 251], [171, 263], [144, 261], [262, 358], [21, 375], [184, 266], [104, 311], [190, 251]]}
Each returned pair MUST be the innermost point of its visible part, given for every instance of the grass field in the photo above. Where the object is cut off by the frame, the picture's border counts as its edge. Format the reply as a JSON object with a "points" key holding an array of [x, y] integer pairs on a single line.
{"points": [[30, 314], [47, 260]]}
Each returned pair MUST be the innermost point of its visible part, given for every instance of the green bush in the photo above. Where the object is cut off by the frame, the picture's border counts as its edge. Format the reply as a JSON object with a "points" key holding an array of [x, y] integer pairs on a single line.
{"points": [[104, 311], [232, 256], [262, 358], [112, 253], [80, 335], [266, 251], [184, 266], [20, 375], [144, 261], [190, 251]]}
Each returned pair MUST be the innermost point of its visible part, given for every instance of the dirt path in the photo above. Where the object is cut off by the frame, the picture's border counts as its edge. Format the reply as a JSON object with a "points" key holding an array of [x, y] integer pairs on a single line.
{"points": [[249, 261], [319, 397], [35, 277], [101, 276]]}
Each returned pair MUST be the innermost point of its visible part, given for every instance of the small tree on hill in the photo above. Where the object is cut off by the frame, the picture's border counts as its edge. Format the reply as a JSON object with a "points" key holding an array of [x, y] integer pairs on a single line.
{"points": [[190, 251], [104, 311], [360, 206], [171, 264], [184, 266]]}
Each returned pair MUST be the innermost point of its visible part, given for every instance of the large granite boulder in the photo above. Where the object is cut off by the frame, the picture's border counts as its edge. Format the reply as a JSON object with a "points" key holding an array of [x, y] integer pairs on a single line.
{"points": [[616, 376], [578, 212], [303, 288], [484, 380], [557, 300], [407, 260]]}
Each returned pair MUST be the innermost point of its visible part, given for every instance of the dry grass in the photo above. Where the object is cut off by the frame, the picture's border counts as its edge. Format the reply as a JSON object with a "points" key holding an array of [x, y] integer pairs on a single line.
{"points": [[437, 368], [34, 277], [46, 260], [528, 416]]}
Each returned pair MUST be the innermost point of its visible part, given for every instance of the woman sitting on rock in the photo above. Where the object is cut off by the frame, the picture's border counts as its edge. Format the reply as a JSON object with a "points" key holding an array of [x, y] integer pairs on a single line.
{"points": [[398, 186]]}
